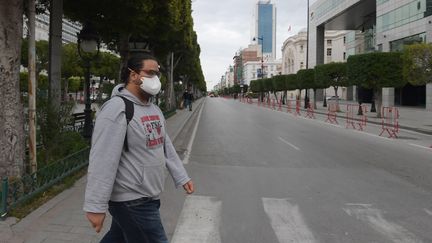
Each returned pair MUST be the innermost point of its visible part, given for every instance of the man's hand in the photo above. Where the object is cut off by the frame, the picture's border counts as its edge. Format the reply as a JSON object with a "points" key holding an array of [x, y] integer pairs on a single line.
{"points": [[96, 220], [189, 187]]}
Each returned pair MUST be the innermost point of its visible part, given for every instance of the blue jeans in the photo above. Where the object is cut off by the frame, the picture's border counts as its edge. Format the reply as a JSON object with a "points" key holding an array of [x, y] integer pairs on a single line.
{"points": [[188, 103], [135, 221]]}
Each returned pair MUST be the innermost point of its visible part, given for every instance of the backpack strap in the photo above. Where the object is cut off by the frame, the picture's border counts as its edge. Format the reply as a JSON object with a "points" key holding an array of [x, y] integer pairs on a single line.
{"points": [[129, 111]]}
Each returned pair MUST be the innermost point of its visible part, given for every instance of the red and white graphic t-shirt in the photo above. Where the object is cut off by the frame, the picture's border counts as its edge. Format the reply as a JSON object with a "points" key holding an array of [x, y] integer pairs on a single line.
{"points": [[153, 130]]}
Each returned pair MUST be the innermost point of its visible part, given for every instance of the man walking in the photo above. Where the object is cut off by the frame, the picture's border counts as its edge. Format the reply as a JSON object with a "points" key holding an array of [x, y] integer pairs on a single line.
{"points": [[129, 156], [188, 98]]}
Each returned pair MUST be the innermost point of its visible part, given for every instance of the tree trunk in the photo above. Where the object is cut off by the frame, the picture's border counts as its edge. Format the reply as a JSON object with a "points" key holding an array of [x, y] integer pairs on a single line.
{"points": [[12, 143], [55, 52], [32, 85], [169, 92], [378, 101], [123, 48], [337, 97], [315, 105]]}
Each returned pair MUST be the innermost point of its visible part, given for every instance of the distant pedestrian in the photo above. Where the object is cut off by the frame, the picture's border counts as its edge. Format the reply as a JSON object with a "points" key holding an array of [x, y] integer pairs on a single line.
{"points": [[188, 99], [129, 155]]}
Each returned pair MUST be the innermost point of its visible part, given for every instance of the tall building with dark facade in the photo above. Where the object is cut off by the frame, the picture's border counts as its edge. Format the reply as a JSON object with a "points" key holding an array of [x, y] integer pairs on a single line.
{"points": [[265, 27]]}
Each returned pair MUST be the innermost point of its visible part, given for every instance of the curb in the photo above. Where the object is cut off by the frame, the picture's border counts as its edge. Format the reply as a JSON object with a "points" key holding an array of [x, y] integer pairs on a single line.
{"points": [[405, 127], [401, 126]]}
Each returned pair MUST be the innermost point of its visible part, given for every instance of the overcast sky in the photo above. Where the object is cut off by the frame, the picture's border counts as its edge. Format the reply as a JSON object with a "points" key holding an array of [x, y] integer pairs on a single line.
{"points": [[225, 26]]}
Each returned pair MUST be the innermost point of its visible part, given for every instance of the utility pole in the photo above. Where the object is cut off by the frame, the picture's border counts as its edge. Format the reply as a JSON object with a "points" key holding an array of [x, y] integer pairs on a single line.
{"points": [[306, 105], [32, 84]]}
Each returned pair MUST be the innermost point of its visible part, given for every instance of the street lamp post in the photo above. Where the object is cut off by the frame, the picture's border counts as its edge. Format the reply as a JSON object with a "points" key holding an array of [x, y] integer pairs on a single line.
{"points": [[306, 105], [262, 54], [88, 50], [262, 57]]}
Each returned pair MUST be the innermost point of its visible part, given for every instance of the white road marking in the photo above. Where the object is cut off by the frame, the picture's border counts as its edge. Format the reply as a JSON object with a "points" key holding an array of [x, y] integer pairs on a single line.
{"points": [[189, 147], [374, 218], [287, 221], [290, 144], [199, 221], [428, 211], [359, 204]]}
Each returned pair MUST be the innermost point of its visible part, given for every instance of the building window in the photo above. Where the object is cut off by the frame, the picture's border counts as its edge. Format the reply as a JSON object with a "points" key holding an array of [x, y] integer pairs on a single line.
{"points": [[329, 42], [301, 49], [401, 16], [301, 65], [344, 55], [329, 51], [380, 47], [344, 40]]}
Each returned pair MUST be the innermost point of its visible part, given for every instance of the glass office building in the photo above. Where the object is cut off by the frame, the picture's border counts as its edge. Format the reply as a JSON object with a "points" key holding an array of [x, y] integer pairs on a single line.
{"points": [[266, 27], [375, 25]]}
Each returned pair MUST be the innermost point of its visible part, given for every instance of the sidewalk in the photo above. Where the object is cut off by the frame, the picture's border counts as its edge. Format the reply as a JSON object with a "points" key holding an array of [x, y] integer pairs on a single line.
{"points": [[410, 118], [61, 220]]}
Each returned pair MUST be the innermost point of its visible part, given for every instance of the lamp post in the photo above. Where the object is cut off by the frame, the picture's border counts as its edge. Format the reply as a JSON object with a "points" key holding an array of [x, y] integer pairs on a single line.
{"points": [[88, 50], [306, 105], [262, 54], [262, 58]]}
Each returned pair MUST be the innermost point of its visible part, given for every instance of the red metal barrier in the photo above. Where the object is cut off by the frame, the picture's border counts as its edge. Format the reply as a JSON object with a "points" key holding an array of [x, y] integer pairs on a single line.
{"points": [[289, 106], [310, 111], [359, 122], [297, 110], [390, 121], [280, 105], [363, 118], [331, 113], [273, 104]]}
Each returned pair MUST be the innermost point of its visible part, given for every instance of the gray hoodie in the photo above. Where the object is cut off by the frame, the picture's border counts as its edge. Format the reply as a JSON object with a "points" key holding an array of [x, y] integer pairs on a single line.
{"points": [[116, 175]]}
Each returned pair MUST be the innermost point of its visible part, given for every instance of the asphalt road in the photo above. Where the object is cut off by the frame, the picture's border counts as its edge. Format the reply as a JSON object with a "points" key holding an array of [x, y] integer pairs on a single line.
{"points": [[268, 176]]}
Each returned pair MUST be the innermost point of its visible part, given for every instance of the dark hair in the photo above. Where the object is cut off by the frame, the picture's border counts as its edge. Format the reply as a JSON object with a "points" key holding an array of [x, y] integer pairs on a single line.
{"points": [[135, 63]]}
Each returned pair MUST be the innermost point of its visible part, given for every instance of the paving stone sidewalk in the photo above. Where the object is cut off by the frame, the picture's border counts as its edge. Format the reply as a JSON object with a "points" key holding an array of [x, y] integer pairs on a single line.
{"points": [[61, 219]]}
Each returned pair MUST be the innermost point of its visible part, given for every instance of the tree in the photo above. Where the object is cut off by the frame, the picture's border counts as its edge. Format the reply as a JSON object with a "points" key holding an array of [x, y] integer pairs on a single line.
{"points": [[107, 66], [12, 143], [74, 85], [306, 79], [279, 85], [331, 74], [71, 62], [417, 60], [42, 82], [236, 88], [375, 71], [42, 56], [166, 26], [255, 86], [291, 82]]}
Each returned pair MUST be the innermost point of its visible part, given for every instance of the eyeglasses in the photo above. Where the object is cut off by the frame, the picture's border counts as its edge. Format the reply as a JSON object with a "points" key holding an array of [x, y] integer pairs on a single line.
{"points": [[151, 73]]}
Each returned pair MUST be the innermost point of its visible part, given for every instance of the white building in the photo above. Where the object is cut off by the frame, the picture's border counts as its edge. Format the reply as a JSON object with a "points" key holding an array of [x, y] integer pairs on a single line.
{"points": [[229, 77], [70, 29], [251, 69], [294, 53]]}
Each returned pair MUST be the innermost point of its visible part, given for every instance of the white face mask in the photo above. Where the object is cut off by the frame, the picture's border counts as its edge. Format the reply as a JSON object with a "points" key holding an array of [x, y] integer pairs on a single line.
{"points": [[151, 85]]}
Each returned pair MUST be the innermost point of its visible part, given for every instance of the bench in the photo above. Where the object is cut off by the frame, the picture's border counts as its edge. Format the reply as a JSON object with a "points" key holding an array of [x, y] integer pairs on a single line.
{"points": [[78, 120]]}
